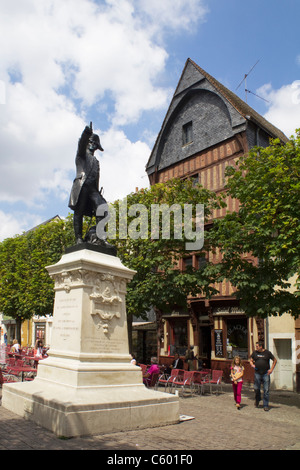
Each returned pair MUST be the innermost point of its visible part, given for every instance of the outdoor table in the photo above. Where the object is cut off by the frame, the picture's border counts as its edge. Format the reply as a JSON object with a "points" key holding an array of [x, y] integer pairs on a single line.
{"points": [[21, 369], [15, 355]]}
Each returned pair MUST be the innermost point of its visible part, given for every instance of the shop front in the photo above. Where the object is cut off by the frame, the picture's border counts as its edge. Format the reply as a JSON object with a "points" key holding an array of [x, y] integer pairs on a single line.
{"points": [[215, 335], [144, 341], [177, 336], [234, 334], [42, 330], [8, 329]]}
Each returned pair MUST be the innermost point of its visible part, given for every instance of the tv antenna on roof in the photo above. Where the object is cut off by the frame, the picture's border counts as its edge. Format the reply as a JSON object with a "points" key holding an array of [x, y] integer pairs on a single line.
{"points": [[245, 80]]}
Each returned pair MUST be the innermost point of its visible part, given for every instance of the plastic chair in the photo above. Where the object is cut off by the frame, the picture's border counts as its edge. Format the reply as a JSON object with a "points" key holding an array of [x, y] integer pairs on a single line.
{"points": [[154, 378], [143, 367], [19, 362], [7, 378], [185, 381], [216, 379], [199, 381], [28, 361], [207, 372], [167, 380]]}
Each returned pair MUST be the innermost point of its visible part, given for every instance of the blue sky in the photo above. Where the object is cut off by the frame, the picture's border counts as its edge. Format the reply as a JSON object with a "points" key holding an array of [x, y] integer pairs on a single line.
{"points": [[64, 63]]}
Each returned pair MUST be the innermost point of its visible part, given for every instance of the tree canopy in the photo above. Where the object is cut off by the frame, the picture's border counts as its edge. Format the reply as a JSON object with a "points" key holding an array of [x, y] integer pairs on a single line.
{"points": [[158, 281], [260, 243], [26, 288]]}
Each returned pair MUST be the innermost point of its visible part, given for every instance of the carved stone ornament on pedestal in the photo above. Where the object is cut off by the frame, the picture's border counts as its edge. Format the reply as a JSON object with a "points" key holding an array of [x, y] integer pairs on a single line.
{"points": [[105, 307], [105, 298]]}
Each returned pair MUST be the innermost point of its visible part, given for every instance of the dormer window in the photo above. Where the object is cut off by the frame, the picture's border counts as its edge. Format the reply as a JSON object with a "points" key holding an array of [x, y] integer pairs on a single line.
{"points": [[187, 133]]}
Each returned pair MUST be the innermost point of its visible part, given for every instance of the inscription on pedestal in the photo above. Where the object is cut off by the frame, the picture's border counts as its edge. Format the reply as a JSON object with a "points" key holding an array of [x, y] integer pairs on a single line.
{"points": [[106, 346], [65, 324]]}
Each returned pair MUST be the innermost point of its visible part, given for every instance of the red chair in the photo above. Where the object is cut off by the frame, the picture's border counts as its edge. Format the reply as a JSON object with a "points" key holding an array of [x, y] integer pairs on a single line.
{"points": [[154, 378], [167, 380], [11, 361], [19, 362], [216, 379], [29, 376], [185, 381], [143, 367], [206, 372], [28, 361], [7, 378], [199, 381]]}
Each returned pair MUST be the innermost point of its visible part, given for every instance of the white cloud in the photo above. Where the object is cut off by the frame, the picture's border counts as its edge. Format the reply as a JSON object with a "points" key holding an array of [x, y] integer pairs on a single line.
{"points": [[37, 139], [16, 224], [122, 166], [284, 106], [173, 14], [59, 59]]}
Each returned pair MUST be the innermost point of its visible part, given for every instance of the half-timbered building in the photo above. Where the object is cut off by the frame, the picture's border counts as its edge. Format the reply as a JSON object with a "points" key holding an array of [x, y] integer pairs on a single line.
{"points": [[206, 128]]}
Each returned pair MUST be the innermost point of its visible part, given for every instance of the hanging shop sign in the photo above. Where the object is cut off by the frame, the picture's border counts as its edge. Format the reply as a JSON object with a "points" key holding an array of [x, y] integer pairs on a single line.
{"points": [[221, 311], [219, 343]]}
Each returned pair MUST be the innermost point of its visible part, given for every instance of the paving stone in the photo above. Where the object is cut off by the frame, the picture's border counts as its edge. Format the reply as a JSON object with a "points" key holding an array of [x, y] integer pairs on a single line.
{"points": [[216, 425]]}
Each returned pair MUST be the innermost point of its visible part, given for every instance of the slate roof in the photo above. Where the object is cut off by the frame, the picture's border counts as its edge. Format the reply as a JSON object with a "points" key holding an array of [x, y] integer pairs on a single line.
{"points": [[241, 106]]}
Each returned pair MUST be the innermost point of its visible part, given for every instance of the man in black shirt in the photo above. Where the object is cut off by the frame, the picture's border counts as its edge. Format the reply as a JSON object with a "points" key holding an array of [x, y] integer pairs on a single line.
{"points": [[260, 361]]}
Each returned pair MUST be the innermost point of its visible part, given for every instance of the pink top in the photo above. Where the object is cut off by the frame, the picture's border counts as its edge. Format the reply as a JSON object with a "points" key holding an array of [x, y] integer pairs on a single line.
{"points": [[237, 370], [153, 369]]}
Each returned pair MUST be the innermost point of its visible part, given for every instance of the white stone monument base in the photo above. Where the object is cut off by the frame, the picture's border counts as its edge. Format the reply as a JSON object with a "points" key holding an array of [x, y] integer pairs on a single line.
{"points": [[69, 411], [87, 385]]}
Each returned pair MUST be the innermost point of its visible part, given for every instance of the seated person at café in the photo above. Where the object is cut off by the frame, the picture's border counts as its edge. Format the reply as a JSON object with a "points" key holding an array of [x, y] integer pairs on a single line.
{"points": [[176, 364], [153, 369], [38, 350], [15, 347]]}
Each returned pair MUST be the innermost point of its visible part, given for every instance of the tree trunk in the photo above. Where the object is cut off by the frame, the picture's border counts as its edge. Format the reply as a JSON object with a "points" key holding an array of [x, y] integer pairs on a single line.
{"points": [[18, 329]]}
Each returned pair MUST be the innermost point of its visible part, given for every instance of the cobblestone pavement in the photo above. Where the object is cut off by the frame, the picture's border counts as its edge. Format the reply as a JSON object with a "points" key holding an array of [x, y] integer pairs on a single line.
{"points": [[216, 425]]}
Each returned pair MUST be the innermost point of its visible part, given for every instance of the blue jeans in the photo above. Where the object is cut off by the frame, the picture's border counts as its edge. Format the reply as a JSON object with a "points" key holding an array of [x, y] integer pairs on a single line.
{"points": [[265, 380]]}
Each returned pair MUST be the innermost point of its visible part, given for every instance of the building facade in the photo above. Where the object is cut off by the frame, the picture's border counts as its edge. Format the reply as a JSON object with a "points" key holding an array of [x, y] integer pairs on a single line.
{"points": [[207, 128]]}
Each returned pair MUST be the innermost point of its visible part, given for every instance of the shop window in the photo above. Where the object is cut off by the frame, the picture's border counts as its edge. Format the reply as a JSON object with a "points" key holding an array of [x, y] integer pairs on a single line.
{"points": [[237, 338]]}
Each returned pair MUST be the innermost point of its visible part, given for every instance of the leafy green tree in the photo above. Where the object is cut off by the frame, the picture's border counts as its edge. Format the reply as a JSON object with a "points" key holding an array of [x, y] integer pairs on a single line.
{"points": [[158, 281], [12, 271], [260, 242], [26, 288]]}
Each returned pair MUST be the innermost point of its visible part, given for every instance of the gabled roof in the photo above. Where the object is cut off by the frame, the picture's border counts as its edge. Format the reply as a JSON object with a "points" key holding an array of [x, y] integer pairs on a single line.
{"points": [[56, 217], [241, 106], [244, 110]]}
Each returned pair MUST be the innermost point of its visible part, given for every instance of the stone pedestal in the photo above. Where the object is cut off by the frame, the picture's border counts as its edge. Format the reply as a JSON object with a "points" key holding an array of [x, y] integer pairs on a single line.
{"points": [[87, 384]]}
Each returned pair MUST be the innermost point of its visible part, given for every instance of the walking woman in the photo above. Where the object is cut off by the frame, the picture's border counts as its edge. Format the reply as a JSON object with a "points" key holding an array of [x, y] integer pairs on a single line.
{"points": [[237, 372]]}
